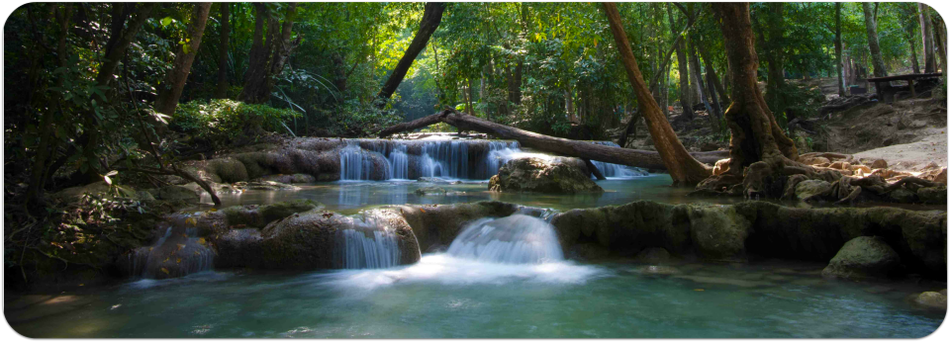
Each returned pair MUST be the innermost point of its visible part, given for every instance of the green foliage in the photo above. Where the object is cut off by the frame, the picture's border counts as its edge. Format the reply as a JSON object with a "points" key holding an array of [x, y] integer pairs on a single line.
{"points": [[223, 120]]}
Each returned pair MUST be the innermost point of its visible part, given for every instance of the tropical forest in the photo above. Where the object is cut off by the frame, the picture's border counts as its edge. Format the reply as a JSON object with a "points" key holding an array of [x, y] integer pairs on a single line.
{"points": [[475, 170]]}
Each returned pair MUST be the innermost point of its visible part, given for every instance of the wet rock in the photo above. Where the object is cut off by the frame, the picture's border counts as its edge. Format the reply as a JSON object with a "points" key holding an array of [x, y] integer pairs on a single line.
{"points": [[657, 270], [628, 228], [718, 232], [178, 193], [259, 216], [440, 224], [296, 178], [810, 189], [863, 257], [933, 300], [430, 191], [933, 195], [903, 195], [266, 185], [653, 255], [313, 239], [437, 180], [539, 175]]}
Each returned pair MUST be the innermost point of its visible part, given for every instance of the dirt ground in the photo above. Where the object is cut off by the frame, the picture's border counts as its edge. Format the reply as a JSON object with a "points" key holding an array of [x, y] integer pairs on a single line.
{"points": [[909, 134]]}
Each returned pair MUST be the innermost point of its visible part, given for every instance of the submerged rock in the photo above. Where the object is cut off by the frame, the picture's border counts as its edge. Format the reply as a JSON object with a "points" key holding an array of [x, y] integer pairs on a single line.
{"points": [[933, 300], [430, 190], [540, 175], [863, 257], [437, 180]]}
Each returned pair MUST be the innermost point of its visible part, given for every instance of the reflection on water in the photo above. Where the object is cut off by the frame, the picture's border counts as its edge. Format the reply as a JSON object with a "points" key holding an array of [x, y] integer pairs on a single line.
{"points": [[446, 297], [349, 196]]}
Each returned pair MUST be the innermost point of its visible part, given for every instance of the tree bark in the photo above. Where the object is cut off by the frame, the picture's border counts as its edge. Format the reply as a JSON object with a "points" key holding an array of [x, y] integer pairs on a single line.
{"points": [[683, 168], [221, 90], [168, 94], [838, 66], [926, 34], [430, 22], [574, 148], [870, 23], [267, 57], [756, 136]]}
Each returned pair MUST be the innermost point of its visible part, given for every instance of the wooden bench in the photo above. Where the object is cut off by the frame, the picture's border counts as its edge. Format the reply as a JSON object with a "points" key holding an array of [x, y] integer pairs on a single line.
{"points": [[885, 90]]}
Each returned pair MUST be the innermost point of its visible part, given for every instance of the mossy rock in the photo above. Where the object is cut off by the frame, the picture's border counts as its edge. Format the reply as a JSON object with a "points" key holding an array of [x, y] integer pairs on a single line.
{"points": [[863, 257], [440, 224], [254, 216], [540, 175]]}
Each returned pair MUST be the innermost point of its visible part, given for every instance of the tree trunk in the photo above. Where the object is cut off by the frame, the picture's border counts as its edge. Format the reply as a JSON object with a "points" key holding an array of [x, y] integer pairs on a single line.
{"points": [[683, 168], [870, 22], [838, 66], [169, 93], [574, 148], [221, 91], [683, 68], [430, 22], [940, 38], [775, 57], [717, 83], [267, 57], [756, 136], [926, 34]]}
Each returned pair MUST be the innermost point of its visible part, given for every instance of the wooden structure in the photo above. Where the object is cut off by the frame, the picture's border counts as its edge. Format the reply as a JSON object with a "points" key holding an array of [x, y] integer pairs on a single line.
{"points": [[885, 90]]}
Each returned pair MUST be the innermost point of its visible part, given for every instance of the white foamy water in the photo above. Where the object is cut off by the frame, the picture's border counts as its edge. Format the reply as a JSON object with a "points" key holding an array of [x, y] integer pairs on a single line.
{"points": [[446, 269], [515, 239]]}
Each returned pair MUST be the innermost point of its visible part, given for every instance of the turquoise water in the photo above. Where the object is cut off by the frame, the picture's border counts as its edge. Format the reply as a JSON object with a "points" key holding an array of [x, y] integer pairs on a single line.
{"points": [[444, 297]]}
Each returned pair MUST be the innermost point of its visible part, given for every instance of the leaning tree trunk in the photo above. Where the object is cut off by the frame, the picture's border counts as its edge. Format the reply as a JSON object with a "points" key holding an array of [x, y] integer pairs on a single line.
{"points": [[683, 168], [574, 148], [430, 21], [221, 90], [756, 136], [870, 22], [168, 95]]}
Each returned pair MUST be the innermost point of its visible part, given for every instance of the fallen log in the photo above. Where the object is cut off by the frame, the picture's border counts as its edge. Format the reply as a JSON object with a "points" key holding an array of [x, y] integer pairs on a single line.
{"points": [[566, 147]]}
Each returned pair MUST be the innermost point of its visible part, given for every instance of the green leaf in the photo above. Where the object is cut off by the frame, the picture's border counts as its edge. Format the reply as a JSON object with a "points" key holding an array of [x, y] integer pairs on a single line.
{"points": [[167, 21]]}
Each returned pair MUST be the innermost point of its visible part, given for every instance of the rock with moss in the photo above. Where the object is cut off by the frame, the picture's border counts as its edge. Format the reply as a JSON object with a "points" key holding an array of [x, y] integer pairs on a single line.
{"points": [[812, 189], [98, 189], [178, 193], [296, 178], [628, 228], [542, 175], [933, 195], [440, 224], [864, 257], [316, 239], [932, 300], [902, 195], [718, 232], [259, 216]]}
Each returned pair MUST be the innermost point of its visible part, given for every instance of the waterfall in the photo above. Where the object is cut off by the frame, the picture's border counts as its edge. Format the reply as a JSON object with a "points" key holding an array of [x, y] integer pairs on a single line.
{"points": [[616, 170], [371, 243], [399, 162], [516, 239], [177, 253], [370, 159]]}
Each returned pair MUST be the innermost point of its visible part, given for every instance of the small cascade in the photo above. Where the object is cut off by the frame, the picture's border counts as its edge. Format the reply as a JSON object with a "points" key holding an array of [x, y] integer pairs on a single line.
{"points": [[616, 170], [515, 239], [370, 241], [176, 254], [399, 162]]}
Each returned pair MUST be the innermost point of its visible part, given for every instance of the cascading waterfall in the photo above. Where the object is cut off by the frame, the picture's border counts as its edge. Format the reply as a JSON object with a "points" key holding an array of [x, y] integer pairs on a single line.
{"points": [[515, 239], [373, 243], [177, 253], [616, 170], [399, 162]]}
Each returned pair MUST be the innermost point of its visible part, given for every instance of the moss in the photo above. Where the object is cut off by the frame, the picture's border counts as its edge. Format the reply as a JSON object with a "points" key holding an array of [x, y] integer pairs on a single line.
{"points": [[254, 216]]}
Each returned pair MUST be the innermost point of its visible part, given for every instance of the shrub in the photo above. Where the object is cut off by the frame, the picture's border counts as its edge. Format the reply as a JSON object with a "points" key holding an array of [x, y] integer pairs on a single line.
{"points": [[223, 119]]}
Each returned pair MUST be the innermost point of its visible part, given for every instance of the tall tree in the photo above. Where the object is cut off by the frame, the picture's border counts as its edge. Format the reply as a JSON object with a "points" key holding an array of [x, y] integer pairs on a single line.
{"points": [[683, 69], [756, 136], [926, 34], [431, 18], [683, 168], [838, 66], [175, 79], [870, 23], [267, 56], [221, 90], [774, 51]]}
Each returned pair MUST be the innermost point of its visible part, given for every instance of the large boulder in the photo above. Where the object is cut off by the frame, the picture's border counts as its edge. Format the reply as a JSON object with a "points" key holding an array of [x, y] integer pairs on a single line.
{"points": [[541, 175], [863, 257], [319, 239], [178, 193], [932, 300], [718, 232]]}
